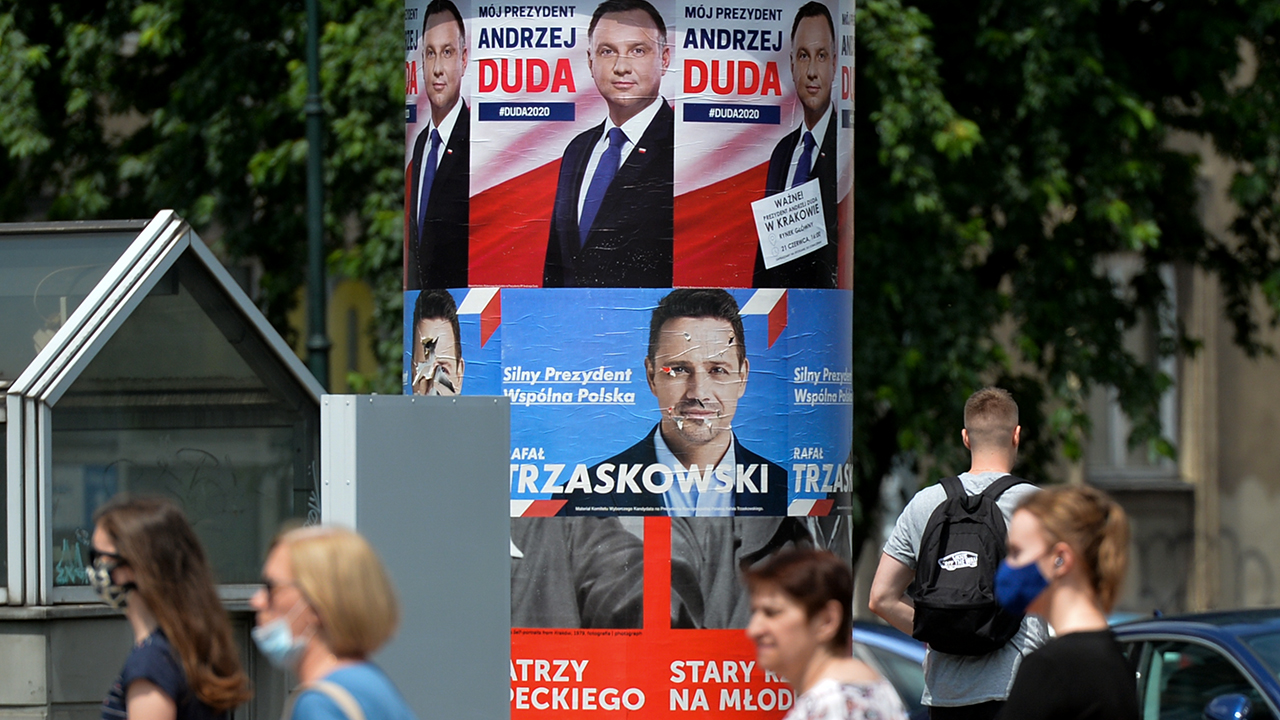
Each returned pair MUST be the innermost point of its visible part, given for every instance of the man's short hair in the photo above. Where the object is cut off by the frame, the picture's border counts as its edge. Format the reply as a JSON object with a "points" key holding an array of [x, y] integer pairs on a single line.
{"points": [[438, 305], [810, 9], [990, 415], [621, 6], [697, 303], [439, 6]]}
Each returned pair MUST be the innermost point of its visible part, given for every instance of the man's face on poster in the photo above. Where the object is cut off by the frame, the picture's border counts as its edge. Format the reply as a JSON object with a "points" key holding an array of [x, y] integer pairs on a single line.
{"points": [[698, 373], [437, 367], [627, 57], [444, 60], [813, 64]]}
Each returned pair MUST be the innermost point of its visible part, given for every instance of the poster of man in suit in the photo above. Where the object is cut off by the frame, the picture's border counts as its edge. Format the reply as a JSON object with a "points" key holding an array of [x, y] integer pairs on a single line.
{"points": [[437, 198], [808, 153], [611, 224]]}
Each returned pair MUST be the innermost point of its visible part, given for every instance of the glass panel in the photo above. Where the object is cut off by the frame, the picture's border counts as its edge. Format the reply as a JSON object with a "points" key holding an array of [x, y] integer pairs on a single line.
{"points": [[1267, 648], [1190, 676], [186, 401], [43, 278]]}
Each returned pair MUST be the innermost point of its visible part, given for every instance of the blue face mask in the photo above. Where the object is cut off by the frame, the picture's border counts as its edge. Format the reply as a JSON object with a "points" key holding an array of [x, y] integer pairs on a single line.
{"points": [[276, 642], [1018, 587]]}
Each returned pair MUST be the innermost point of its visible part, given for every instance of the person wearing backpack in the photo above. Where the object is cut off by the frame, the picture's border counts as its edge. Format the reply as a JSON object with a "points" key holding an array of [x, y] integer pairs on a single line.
{"points": [[946, 547]]}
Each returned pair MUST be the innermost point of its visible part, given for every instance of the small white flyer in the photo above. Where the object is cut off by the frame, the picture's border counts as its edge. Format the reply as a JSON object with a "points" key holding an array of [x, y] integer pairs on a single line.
{"points": [[790, 224]]}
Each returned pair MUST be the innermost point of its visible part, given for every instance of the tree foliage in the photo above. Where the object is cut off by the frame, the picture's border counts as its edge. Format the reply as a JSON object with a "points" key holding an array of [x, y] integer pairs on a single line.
{"points": [[116, 109], [1006, 150], [1009, 153]]}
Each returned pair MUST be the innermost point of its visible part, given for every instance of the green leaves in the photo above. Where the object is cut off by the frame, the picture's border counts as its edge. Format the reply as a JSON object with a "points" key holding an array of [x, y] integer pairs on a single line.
{"points": [[20, 132], [957, 139], [1024, 189], [115, 108], [158, 29]]}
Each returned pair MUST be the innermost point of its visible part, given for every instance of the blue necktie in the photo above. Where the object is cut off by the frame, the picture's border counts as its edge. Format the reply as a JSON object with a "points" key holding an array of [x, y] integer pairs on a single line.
{"points": [[806, 161], [428, 177], [605, 171]]}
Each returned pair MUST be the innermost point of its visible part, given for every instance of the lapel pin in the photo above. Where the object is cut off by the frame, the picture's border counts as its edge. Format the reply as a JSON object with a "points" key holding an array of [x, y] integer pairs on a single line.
{"points": [[640, 150]]}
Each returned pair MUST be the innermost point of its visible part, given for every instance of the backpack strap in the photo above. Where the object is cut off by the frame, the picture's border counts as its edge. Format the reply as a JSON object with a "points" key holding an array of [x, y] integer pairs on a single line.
{"points": [[997, 488], [335, 692], [953, 486]]}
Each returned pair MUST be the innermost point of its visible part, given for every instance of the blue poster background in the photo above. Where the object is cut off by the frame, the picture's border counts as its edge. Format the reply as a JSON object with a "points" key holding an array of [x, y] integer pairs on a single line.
{"points": [[572, 362]]}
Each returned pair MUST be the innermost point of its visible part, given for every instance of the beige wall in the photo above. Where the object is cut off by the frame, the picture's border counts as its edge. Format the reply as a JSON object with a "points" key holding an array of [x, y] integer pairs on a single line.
{"points": [[1249, 475]]}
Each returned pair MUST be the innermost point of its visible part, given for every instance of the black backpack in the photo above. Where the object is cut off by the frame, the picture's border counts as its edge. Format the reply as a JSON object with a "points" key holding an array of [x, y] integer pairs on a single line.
{"points": [[955, 599]]}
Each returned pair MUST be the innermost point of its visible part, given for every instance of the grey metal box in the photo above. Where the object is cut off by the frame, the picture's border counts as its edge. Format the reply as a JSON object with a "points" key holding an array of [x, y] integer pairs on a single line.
{"points": [[426, 480]]}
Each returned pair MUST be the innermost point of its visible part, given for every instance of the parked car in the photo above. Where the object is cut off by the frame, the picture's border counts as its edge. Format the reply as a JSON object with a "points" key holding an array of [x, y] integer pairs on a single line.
{"points": [[898, 657], [1220, 665]]}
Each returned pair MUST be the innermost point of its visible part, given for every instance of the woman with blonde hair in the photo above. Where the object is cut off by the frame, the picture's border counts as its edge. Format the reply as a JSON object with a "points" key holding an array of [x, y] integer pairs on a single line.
{"points": [[326, 605], [1068, 551], [146, 561], [802, 626]]}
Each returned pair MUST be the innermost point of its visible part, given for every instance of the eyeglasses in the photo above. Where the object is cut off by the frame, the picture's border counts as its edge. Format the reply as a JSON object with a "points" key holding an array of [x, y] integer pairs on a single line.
{"points": [[95, 553], [270, 586]]}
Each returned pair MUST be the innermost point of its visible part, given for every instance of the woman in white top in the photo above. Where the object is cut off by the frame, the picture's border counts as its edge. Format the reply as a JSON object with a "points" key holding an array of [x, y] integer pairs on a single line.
{"points": [[802, 624]]}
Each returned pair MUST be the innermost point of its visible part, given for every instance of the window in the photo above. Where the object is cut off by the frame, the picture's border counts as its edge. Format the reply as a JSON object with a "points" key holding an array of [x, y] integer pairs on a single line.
{"points": [[184, 401], [1179, 679], [44, 276], [1108, 457]]}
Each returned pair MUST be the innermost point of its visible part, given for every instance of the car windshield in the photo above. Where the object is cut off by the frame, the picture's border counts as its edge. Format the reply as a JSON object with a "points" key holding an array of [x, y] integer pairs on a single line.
{"points": [[1267, 647]]}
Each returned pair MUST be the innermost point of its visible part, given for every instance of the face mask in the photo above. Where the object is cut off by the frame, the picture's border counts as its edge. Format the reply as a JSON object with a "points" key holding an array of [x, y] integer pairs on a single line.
{"points": [[112, 594], [1018, 587], [276, 642]]}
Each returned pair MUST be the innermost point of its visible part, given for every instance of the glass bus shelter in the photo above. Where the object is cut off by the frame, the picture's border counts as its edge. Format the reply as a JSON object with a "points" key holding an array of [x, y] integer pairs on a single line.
{"points": [[131, 361]]}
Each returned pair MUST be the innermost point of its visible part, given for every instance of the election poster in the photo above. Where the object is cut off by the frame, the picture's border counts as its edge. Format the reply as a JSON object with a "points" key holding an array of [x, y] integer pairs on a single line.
{"points": [[633, 218], [697, 110], [609, 387], [758, 117]]}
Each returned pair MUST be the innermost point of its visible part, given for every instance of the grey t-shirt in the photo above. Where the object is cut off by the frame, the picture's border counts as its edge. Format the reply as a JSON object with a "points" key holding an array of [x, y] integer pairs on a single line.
{"points": [[951, 680]]}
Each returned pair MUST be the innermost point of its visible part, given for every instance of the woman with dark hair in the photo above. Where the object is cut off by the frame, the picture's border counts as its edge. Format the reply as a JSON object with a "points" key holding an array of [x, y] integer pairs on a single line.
{"points": [[802, 624], [145, 560], [1068, 549]]}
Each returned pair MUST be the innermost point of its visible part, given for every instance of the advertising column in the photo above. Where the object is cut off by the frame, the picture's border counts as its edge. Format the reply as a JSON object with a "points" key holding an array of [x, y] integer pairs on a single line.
{"points": [[634, 219]]}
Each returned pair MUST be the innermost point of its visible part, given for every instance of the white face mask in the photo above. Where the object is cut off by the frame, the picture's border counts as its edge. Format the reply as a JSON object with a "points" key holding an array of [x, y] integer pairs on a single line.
{"points": [[100, 578], [276, 642]]}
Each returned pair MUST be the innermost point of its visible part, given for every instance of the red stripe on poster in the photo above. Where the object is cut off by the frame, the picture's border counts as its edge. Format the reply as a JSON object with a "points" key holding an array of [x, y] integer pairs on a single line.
{"points": [[778, 319], [657, 573], [490, 318], [544, 508], [510, 224], [821, 508], [715, 242]]}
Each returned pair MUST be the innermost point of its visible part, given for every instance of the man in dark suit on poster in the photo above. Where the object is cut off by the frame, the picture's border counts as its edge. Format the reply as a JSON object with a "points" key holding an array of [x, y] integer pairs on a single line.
{"points": [[612, 223], [810, 150], [697, 370], [440, 173]]}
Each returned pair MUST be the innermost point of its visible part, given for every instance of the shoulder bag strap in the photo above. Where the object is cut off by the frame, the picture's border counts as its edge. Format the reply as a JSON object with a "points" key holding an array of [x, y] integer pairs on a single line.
{"points": [[335, 692]]}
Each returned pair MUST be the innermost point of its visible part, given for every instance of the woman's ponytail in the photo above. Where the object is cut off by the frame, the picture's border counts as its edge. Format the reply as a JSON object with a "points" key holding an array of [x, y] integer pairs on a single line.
{"points": [[1113, 554]]}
